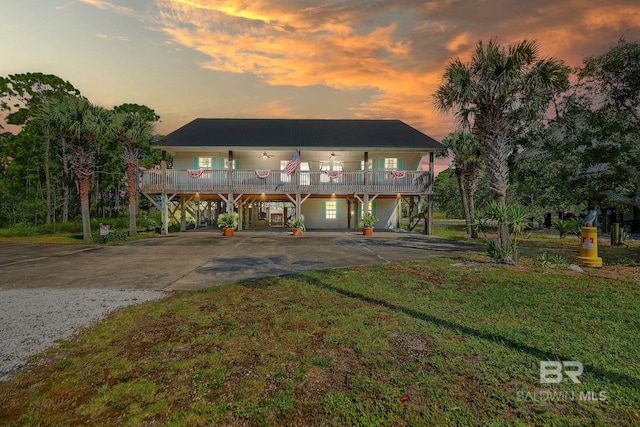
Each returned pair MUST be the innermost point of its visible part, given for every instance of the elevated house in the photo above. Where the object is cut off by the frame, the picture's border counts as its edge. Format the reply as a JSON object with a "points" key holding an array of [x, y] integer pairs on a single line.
{"points": [[271, 170]]}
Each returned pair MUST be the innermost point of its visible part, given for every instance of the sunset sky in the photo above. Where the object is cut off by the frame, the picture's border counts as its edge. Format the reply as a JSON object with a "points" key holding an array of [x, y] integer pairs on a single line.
{"points": [[288, 58]]}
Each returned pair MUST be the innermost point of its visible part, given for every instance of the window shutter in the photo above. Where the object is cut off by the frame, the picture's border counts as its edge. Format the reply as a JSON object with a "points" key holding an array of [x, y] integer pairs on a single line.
{"points": [[196, 164], [400, 167], [324, 210], [338, 209], [236, 164]]}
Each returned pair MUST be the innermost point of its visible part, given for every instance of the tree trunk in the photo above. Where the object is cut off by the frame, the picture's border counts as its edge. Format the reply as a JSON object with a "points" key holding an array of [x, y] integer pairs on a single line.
{"points": [[133, 196], [472, 213], [471, 178], [492, 136], [47, 177], [66, 184], [83, 184], [503, 229], [465, 205]]}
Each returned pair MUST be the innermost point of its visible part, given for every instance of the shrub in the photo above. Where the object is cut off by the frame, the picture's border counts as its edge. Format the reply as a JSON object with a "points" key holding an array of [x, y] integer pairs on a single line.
{"points": [[566, 227], [296, 223], [150, 224], [112, 236], [368, 220], [514, 217], [228, 220], [552, 260]]}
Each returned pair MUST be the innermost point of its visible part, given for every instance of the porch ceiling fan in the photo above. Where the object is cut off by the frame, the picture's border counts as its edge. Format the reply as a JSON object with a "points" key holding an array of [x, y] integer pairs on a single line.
{"points": [[333, 155], [266, 156]]}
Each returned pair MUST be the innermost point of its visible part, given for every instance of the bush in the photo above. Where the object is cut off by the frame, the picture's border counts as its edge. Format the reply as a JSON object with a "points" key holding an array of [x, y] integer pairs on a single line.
{"points": [[112, 236], [552, 260], [150, 224], [19, 230], [494, 214], [297, 223], [567, 227], [228, 220]]}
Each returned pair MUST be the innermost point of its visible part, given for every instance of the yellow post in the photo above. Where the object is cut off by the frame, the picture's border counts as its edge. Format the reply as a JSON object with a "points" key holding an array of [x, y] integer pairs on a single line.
{"points": [[589, 248]]}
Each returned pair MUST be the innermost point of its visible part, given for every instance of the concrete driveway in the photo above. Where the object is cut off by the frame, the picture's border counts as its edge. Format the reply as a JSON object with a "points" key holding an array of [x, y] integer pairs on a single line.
{"points": [[204, 258]]}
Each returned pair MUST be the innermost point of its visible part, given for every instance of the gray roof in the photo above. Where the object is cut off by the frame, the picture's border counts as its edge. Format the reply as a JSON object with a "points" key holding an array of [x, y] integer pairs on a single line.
{"points": [[299, 133]]}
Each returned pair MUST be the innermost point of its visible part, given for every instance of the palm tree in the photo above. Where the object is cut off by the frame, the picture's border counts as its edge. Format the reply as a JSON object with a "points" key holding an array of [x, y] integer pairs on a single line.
{"points": [[48, 118], [463, 148], [132, 127], [497, 90], [82, 125], [34, 91]]}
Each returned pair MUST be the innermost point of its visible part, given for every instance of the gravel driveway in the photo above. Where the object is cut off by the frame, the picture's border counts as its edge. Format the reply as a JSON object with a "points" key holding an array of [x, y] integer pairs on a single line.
{"points": [[33, 319]]}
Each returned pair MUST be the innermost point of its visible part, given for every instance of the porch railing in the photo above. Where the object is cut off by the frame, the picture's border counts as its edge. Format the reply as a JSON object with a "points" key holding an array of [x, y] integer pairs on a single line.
{"points": [[277, 182]]}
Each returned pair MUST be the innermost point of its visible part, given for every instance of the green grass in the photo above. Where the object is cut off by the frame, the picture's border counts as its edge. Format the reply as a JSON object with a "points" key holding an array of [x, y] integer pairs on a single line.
{"points": [[64, 232], [569, 248], [437, 342]]}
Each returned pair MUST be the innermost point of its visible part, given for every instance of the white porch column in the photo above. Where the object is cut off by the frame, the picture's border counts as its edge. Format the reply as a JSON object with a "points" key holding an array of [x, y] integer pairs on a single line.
{"points": [[164, 204], [428, 229]]}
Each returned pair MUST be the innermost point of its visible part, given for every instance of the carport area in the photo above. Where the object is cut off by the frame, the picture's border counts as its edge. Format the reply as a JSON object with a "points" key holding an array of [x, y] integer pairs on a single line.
{"points": [[203, 258]]}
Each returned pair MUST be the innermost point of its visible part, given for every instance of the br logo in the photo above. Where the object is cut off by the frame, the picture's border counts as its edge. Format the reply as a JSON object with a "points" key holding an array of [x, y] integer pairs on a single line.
{"points": [[552, 372]]}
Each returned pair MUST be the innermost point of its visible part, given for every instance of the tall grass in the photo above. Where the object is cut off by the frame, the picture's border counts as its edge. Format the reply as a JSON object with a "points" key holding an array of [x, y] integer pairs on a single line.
{"points": [[69, 229]]}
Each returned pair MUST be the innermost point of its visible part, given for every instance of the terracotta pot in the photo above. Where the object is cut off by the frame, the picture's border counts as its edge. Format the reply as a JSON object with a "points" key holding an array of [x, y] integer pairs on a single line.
{"points": [[367, 231], [296, 232], [228, 231]]}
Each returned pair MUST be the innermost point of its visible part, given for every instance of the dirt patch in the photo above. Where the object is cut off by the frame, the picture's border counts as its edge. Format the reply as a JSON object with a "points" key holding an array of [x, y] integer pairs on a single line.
{"points": [[617, 272]]}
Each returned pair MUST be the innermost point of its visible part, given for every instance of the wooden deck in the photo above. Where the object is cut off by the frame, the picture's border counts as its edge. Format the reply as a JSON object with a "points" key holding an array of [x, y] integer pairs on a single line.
{"points": [[277, 182]]}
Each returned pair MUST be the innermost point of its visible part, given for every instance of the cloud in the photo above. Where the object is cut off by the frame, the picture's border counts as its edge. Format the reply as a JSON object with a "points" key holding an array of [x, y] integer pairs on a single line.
{"points": [[273, 109], [397, 50], [107, 5], [116, 38]]}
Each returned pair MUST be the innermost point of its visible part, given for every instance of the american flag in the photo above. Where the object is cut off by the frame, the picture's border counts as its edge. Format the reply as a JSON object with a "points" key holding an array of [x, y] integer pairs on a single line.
{"points": [[293, 163]]}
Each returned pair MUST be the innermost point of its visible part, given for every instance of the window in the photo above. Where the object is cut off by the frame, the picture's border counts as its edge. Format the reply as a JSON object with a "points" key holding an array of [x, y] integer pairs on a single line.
{"points": [[370, 209], [305, 178], [330, 167], [204, 163], [391, 164], [331, 210], [283, 176], [370, 164], [235, 166]]}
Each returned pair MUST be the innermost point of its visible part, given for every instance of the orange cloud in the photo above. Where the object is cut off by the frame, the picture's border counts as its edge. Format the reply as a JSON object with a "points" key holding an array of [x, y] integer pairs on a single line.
{"points": [[397, 50], [300, 47], [274, 109], [106, 5], [619, 18]]}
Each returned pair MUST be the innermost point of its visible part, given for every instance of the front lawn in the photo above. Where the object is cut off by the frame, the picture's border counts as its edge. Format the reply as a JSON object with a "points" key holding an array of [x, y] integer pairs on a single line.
{"points": [[438, 342]]}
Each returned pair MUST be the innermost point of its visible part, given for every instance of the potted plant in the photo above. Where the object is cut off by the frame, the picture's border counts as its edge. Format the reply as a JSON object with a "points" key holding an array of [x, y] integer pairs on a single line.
{"points": [[296, 225], [367, 222], [228, 221]]}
